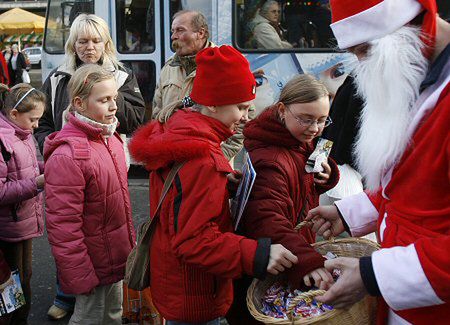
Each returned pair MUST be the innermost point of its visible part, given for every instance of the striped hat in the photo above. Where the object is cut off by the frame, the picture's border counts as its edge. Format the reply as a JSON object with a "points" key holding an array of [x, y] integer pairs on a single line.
{"points": [[355, 21]]}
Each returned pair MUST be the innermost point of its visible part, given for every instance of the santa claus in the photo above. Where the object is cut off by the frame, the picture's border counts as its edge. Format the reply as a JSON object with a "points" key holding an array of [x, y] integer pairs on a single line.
{"points": [[403, 153]]}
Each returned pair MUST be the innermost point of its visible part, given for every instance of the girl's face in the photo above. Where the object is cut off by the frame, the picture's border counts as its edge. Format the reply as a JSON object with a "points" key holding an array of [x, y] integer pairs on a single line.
{"points": [[230, 115], [89, 48], [28, 120], [305, 121], [100, 106]]}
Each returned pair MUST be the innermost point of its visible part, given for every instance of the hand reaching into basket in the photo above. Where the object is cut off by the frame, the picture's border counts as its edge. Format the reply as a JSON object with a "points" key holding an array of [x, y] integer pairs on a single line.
{"points": [[280, 259], [322, 278], [326, 221], [349, 287]]}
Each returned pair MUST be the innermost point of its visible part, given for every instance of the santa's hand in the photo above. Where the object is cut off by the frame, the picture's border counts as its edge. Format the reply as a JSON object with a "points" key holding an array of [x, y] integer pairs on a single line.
{"points": [[326, 221], [349, 288], [323, 177]]}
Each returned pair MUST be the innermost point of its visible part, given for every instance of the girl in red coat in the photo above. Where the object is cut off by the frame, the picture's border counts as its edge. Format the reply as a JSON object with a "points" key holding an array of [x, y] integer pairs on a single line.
{"points": [[279, 142], [88, 208], [194, 253]]}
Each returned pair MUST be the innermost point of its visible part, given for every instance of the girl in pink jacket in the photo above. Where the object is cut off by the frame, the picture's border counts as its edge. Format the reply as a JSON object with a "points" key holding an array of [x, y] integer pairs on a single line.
{"points": [[21, 181], [88, 211]]}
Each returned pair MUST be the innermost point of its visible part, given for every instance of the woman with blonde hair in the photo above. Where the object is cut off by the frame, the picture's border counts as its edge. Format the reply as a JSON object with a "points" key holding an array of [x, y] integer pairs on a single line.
{"points": [[89, 41], [279, 142]]}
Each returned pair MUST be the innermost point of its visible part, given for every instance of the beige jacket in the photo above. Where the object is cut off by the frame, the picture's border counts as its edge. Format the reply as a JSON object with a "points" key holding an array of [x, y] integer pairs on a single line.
{"points": [[175, 83], [266, 36]]}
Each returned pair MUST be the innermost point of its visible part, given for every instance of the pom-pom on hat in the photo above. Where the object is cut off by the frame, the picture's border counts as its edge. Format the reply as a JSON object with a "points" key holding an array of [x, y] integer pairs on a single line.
{"points": [[355, 22], [223, 77]]}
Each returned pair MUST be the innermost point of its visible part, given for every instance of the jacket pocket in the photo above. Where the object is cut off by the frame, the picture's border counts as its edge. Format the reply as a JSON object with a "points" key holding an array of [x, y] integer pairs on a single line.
{"points": [[198, 282]]}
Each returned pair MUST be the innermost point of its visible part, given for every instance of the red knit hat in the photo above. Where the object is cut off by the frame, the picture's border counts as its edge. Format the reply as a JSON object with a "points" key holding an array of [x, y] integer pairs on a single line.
{"points": [[355, 22], [223, 77]]}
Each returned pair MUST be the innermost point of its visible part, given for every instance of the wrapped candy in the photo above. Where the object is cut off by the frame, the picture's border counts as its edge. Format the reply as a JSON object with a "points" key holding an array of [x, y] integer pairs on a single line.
{"points": [[278, 298]]}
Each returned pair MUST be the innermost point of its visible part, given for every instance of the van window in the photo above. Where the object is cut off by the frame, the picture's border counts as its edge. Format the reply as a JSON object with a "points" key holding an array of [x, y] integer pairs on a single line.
{"points": [[145, 72], [135, 21], [60, 16], [283, 25]]}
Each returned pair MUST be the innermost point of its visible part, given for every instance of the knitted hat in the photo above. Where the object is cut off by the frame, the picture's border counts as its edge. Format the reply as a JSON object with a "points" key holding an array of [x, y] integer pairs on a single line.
{"points": [[355, 22], [223, 77]]}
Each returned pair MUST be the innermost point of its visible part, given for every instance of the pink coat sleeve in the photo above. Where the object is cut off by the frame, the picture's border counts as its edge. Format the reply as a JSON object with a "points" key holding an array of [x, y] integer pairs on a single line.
{"points": [[12, 192], [64, 188]]}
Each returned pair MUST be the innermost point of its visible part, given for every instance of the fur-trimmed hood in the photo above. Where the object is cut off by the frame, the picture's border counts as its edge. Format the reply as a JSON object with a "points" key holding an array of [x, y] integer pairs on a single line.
{"points": [[187, 135]]}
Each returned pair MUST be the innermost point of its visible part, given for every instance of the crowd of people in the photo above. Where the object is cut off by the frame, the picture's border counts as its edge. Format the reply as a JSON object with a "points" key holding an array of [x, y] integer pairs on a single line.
{"points": [[203, 116]]}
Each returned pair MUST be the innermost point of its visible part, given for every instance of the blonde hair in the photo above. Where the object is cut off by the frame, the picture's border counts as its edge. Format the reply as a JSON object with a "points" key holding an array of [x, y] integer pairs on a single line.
{"points": [[303, 88], [84, 78], [89, 24], [10, 97]]}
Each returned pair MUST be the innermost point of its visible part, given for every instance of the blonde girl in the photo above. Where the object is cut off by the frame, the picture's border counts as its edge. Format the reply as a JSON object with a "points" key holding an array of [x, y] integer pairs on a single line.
{"points": [[88, 204]]}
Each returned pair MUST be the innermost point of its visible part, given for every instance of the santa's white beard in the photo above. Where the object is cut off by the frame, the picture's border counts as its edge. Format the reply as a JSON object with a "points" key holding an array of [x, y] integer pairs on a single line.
{"points": [[388, 80]]}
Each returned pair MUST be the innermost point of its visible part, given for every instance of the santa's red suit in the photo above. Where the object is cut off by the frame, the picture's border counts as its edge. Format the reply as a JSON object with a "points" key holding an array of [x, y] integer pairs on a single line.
{"points": [[412, 215]]}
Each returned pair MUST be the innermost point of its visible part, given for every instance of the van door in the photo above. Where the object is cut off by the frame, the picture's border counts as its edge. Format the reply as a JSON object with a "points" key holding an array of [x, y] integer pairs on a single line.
{"points": [[137, 33]]}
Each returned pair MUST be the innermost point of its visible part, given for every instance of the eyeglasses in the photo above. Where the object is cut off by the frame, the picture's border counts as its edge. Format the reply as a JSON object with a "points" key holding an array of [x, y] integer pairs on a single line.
{"points": [[306, 123]]}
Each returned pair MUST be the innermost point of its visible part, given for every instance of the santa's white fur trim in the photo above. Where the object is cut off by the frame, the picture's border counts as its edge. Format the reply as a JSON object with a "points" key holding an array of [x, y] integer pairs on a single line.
{"points": [[375, 22]]}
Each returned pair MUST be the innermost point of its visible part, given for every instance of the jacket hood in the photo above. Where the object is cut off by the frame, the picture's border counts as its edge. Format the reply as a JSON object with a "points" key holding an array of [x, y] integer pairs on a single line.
{"points": [[258, 20], [267, 130], [8, 129], [74, 133], [185, 136]]}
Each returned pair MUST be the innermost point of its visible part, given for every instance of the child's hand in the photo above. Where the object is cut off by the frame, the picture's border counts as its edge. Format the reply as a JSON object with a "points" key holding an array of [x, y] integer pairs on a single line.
{"points": [[40, 181], [5, 284], [233, 182], [323, 177], [322, 278], [280, 259]]}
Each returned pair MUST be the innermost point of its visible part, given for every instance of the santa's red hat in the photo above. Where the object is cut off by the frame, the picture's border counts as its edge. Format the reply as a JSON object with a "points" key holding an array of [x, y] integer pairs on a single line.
{"points": [[355, 21], [223, 77]]}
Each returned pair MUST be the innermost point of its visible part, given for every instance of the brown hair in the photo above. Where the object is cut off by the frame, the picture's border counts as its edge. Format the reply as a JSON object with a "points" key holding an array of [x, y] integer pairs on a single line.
{"points": [[198, 20], [84, 78], [303, 88], [10, 97]]}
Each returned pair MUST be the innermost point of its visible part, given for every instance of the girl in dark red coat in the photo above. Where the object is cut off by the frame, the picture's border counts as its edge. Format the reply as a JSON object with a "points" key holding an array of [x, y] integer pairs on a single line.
{"points": [[279, 142], [194, 254]]}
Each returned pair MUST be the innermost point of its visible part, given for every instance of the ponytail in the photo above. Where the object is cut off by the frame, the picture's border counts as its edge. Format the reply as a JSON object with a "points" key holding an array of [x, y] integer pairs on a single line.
{"points": [[4, 90], [166, 112]]}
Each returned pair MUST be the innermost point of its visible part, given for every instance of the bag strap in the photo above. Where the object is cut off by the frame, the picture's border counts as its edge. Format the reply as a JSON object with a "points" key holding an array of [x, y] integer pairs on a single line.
{"points": [[167, 184]]}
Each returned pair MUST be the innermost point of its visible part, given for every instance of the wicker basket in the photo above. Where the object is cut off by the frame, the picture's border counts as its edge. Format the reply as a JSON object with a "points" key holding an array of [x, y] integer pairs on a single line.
{"points": [[362, 312]]}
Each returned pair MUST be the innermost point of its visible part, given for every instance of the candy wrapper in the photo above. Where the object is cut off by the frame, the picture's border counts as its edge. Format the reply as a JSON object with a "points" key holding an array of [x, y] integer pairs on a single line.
{"points": [[277, 299], [319, 155]]}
